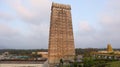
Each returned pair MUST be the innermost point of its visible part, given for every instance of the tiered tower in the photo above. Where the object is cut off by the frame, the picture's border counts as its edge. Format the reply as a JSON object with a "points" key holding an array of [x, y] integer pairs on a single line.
{"points": [[61, 40], [109, 48]]}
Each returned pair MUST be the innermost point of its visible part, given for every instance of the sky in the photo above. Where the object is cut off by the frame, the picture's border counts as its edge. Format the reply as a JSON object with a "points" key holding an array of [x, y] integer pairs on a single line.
{"points": [[24, 24]]}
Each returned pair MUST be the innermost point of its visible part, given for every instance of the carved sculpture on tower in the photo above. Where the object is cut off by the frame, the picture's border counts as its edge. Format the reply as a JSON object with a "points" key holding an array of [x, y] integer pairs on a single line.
{"points": [[61, 40]]}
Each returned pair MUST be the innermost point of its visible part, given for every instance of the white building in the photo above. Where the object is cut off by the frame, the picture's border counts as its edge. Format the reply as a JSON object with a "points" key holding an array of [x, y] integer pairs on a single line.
{"points": [[23, 63]]}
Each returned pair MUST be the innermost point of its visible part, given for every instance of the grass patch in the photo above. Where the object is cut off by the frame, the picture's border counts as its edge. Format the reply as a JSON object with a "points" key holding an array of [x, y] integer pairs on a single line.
{"points": [[114, 64]]}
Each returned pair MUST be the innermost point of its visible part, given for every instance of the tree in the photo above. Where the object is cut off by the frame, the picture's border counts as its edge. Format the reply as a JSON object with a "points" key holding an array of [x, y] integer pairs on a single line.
{"points": [[88, 62]]}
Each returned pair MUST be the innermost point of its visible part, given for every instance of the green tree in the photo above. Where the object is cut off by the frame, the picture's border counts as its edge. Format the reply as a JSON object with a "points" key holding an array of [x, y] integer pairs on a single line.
{"points": [[88, 62]]}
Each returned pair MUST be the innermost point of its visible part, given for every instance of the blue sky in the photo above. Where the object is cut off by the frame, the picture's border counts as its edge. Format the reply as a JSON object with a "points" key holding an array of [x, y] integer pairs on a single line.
{"points": [[24, 24]]}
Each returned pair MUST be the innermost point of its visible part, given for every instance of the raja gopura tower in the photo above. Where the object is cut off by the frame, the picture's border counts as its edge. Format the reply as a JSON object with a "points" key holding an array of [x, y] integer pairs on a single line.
{"points": [[61, 40]]}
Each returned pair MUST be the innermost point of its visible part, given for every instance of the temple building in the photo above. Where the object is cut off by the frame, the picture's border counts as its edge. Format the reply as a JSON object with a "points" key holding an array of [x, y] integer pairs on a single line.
{"points": [[108, 53], [61, 40], [108, 50]]}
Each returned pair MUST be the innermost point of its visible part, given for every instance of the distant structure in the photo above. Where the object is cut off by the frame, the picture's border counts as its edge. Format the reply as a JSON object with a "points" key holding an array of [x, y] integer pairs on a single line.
{"points": [[61, 40], [109, 48], [44, 54]]}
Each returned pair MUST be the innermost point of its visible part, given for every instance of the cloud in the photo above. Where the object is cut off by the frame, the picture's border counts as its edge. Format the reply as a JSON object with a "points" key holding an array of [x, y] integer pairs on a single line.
{"points": [[5, 30], [110, 17], [88, 36], [12, 38], [84, 26], [6, 16], [34, 16], [8, 36], [85, 36], [111, 23], [33, 11]]}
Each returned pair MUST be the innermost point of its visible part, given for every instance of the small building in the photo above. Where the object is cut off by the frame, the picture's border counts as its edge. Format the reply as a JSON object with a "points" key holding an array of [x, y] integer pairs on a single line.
{"points": [[44, 54]]}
